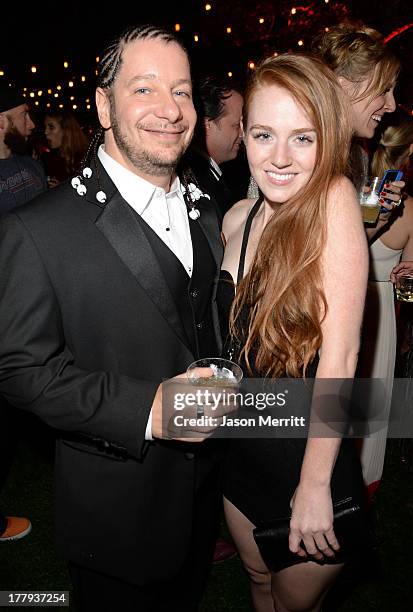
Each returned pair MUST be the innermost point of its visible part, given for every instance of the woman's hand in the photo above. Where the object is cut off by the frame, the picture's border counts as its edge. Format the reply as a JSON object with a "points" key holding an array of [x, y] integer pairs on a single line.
{"points": [[391, 197], [402, 269], [312, 522]]}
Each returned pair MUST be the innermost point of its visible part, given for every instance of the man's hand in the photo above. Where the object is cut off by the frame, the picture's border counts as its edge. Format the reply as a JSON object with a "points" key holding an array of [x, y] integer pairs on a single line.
{"points": [[182, 408]]}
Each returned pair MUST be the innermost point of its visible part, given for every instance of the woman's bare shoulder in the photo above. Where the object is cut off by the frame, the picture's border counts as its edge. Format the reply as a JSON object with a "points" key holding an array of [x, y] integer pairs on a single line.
{"points": [[236, 216], [341, 190]]}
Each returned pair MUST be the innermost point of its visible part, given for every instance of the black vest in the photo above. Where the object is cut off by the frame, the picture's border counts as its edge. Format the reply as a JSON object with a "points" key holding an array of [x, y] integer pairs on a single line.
{"points": [[192, 296]]}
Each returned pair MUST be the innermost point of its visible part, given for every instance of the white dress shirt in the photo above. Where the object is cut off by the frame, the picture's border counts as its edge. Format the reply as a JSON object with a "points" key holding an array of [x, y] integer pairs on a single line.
{"points": [[215, 169], [160, 210]]}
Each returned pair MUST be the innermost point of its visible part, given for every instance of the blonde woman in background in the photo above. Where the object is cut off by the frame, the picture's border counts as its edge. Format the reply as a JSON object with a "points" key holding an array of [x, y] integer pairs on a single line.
{"points": [[367, 69], [395, 240]]}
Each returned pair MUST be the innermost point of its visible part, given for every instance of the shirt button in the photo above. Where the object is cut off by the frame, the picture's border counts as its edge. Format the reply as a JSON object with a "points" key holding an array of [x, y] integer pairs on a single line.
{"points": [[194, 294], [200, 325]]}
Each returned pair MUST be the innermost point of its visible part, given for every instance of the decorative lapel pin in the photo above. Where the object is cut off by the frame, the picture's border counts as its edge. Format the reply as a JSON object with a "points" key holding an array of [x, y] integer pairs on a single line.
{"points": [[194, 194], [77, 183]]}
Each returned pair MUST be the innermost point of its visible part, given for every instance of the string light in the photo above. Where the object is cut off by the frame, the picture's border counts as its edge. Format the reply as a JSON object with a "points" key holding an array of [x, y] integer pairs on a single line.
{"points": [[60, 105], [36, 103], [74, 106], [1, 72], [295, 10], [48, 105]]}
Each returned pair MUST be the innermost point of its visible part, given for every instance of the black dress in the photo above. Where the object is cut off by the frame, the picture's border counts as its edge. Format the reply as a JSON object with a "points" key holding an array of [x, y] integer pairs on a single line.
{"points": [[261, 475]]}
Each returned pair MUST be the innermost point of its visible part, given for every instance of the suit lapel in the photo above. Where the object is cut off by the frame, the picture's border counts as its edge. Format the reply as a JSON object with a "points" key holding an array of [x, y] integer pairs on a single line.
{"points": [[117, 223], [123, 232], [209, 224]]}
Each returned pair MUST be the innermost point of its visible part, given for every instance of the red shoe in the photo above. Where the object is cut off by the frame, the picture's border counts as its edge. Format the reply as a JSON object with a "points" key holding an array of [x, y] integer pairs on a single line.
{"points": [[223, 551], [17, 527]]}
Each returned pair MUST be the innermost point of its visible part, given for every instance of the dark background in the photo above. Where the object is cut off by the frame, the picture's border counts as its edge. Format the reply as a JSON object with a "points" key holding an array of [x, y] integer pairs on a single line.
{"points": [[45, 34]]}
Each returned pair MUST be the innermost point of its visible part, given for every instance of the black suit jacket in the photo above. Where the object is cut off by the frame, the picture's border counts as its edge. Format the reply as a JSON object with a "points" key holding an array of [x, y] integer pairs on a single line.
{"points": [[88, 330]]}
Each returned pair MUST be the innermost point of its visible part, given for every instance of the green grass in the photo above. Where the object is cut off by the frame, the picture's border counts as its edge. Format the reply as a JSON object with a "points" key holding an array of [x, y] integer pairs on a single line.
{"points": [[32, 563]]}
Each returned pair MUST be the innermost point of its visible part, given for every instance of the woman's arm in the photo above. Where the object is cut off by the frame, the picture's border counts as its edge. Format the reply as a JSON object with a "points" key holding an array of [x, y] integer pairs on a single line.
{"points": [[345, 271]]}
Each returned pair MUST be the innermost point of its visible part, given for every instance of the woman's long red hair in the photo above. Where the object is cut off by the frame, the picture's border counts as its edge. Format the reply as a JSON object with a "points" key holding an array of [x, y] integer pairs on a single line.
{"points": [[282, 293]]}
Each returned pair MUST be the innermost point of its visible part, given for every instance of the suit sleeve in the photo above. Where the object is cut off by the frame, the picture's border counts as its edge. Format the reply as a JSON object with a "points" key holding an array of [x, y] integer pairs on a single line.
{"points": [[37, 370]]}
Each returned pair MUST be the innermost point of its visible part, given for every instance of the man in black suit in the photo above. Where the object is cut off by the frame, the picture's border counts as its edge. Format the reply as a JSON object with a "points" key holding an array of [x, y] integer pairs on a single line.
{"points": [[106, 290], [217, 138]]}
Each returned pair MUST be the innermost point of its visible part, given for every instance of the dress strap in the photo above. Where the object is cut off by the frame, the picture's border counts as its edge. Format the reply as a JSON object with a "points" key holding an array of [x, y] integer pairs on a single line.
{"points": [[245, 237]]}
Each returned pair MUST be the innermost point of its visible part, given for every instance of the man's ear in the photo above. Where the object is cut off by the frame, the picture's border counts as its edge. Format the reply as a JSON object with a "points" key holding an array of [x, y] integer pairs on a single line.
{"points": [[207, 123], [103, 107]]}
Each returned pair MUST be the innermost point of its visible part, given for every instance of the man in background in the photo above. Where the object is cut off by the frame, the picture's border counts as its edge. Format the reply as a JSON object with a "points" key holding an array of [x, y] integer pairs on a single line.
{"points": [[21, 177], [217, 138]]}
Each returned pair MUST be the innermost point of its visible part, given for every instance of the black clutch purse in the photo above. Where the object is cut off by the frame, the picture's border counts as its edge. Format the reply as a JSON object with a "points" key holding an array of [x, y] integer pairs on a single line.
{"points": [[350, 528]]}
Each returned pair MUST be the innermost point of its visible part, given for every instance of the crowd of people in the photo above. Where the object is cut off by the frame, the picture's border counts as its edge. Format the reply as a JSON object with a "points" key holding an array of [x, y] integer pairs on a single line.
{"points": [[128, 257]]}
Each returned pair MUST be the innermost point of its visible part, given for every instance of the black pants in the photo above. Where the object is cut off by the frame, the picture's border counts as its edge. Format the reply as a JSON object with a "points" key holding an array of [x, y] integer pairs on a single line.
{"points": [[95, 591], [182, 592]]}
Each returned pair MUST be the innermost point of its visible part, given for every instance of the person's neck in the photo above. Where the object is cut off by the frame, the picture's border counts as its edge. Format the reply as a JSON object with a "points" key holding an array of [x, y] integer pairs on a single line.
{"points": [[163, 181], [5, 152], [214, 155]]}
